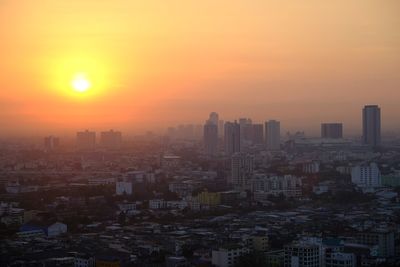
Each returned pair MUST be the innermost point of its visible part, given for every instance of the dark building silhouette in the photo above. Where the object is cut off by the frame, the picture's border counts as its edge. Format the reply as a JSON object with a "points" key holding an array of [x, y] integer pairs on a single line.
{"points": [[371, 125]]}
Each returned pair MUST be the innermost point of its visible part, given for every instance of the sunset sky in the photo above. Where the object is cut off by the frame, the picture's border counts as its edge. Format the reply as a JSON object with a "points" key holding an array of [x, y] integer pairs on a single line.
{"points": [[152, 64]]}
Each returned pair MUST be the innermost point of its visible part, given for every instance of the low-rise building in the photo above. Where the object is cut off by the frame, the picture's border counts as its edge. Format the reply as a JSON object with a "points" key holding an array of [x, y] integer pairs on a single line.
{"points": [[50, 229], [209, 198], [228, 255]]}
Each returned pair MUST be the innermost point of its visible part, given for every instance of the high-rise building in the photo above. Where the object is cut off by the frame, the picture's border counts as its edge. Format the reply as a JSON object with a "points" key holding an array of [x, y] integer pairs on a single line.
{"points": [[210, 138], [273, 134], [232, 137], [111, 139], [221, 128], [371, 125], [332, 130], [51, 142], [245, 131], [86, 140], [242, 166], [258, 134], [247, 134], [214, 118]]}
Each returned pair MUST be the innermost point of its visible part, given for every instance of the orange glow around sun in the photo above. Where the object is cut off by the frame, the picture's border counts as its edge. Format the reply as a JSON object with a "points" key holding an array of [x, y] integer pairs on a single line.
{"points": [[80, 76]]}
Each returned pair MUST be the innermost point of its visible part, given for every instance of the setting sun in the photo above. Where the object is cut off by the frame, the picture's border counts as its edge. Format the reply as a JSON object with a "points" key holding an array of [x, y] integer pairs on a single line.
{"points": [[80, 83]]}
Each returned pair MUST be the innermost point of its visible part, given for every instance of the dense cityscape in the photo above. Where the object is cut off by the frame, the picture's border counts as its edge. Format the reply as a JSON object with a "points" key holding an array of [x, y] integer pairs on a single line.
{"points": [[224, 193]]}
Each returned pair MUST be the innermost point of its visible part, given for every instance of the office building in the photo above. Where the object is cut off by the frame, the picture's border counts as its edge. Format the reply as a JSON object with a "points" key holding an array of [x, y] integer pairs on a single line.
{"points": [[86, 140], [210, 138], [232, 138], [273, 134], [332, 130], [111, 139], [371, 125]]}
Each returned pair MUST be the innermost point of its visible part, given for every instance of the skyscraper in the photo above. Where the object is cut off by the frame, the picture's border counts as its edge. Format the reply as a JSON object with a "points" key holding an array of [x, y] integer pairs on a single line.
{"points": [[258, 134], [210, 138], [273, 134], [214, 118], [111, 139], [86, 140], [245, 131], [232, 137], [371, 125], [221, 128], [331, 130]]}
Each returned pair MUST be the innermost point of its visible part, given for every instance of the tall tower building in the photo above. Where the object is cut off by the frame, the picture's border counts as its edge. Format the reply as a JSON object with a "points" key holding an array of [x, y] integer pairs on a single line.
{"points": [[245, 131], [273, 134], [232, 137], [242, 166], [214, 118], [371, 125], [210, 138], [221, 128], [86, 140], [258, 134], [111, 139], [332, 130]]}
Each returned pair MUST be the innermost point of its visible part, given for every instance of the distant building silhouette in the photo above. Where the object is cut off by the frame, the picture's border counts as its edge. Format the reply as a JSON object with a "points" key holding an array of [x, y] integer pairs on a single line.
{"points": [[111, 139], [51, 143], [210, 138], [371, 125], [332, 130], [86, 140], [232, 138], [273, 134], [214, 118], [258, 134], [245, 131], [221, 128]]}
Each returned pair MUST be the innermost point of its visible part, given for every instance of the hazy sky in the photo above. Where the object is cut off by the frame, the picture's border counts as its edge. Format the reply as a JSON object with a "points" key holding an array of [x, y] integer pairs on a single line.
{"points": [[157, 63]]}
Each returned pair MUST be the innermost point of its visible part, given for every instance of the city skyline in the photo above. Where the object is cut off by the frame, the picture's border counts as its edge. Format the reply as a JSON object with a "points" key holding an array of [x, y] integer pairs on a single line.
{"points": [[315, 131]]}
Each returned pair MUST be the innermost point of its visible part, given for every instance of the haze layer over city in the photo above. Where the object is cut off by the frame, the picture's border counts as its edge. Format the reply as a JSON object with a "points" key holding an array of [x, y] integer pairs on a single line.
{"points": [[199, 133]]}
